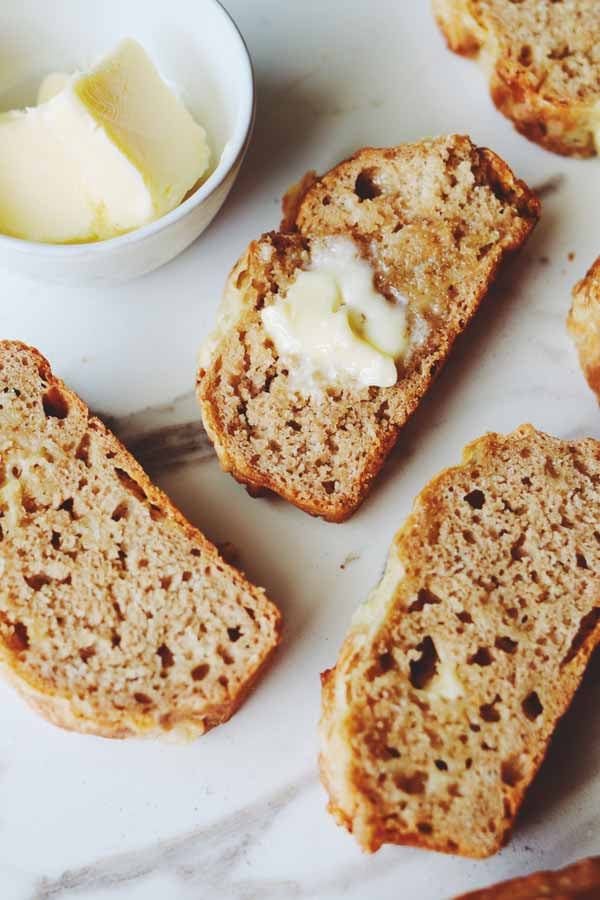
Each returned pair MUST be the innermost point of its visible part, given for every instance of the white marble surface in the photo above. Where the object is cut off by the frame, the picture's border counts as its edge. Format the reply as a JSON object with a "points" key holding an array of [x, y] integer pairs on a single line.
{"points": [[239, 815]]}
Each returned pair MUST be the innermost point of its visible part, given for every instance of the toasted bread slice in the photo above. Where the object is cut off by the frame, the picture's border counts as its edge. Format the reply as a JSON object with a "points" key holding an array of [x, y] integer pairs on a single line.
{"points": [[434, 220], [117, 617], [457, 669], [580, 880], [584, 325], [542, 61]]}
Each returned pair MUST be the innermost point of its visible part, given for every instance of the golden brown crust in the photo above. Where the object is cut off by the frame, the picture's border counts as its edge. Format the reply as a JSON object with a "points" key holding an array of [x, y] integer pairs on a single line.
{"points": [[579, 880], [531, 51], [583, 325], [70, 708], [451, 681], [435, 247]]}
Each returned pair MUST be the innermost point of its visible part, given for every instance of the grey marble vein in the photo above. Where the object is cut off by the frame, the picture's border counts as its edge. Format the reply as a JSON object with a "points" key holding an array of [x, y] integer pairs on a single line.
{"points": [[166, 436], [205, 855]]}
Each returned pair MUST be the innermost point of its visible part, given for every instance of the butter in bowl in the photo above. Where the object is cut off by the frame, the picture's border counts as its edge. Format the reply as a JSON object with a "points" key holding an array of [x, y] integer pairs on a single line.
{"points": [[119, 150], [103, 153]]}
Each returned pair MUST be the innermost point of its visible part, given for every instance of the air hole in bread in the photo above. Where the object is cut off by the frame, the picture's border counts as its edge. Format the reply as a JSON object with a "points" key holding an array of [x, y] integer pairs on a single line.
{"points": [[516, 551], [144, 699], [532, 706], [68, 506], [115, 639], [392, 753], [465, 617], [412, 784], [425, 827], [223, 680], [587, 626], [386, 662], [55, 404], [329, 487], [475, 498], [118, 611], [581, 561], [488, 711], [37, 582], [166, 657], [225, 656], [251, 613], [525, 55], [166, 582], [121, 511], [441, 765], [200, 672], [30, 504], [424, 598], [506, 644], [423, 669], [87, 652], [83, 451], [483, 657], [365, 187], [18, 642], [130, 484], [295, 426], [234, 634], [510, 772]]}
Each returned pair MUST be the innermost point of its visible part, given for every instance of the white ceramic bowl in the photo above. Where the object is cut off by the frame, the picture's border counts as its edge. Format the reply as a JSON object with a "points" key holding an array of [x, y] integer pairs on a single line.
{"points": [[197, 47]]}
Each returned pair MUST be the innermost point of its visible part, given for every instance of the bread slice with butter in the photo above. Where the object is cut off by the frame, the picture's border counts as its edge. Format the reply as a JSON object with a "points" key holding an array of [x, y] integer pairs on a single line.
{"points": [[117, 617], [333, 329], [579, 880], [584, 325], [458, 667], [542, 61]]}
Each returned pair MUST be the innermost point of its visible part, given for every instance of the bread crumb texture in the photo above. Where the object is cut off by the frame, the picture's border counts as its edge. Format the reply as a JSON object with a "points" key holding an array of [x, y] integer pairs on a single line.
{"points": [[584, 325], [435, 221], [543, 61], [117, 617], [456, 671], [580, 880]]}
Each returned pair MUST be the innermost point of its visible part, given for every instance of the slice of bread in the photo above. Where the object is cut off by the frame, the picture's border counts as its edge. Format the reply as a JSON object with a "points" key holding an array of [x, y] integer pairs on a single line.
{"points": [[434, 220], [580, 880], [457, 669], [542, 61], [584, 325], [117, 617]]}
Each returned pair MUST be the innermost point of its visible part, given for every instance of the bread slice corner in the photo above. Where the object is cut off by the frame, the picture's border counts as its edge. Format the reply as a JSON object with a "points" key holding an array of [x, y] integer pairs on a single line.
{"points": [[117, 617], [456, 670], [579, 880], [541, 61]]}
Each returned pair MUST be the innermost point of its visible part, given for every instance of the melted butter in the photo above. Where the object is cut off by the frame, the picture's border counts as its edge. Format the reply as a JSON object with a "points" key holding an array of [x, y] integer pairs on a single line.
{"points": [[445, 685], [334, 326]]}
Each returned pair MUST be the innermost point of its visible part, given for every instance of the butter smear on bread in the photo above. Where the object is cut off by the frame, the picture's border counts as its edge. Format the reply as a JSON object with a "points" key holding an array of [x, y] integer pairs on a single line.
{"points": [[333, 325], [103, 153]]}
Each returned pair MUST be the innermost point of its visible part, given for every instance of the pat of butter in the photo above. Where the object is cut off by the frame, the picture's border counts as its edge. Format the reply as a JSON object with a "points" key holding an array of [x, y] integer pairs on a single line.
{"points": [[445, 685], [52, 85], [333, 325], [104, 153]]}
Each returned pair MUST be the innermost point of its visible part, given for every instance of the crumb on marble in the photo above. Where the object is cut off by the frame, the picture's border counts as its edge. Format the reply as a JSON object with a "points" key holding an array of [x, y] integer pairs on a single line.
{"points": [[350, 558]]}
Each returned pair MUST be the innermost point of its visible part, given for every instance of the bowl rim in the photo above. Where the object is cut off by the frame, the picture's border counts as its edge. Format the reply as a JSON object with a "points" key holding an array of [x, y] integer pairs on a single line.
{"points": [[237, 146]]}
